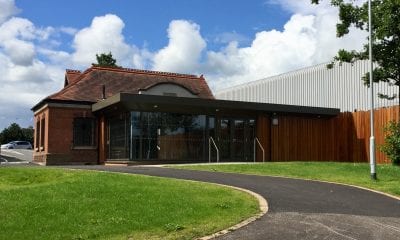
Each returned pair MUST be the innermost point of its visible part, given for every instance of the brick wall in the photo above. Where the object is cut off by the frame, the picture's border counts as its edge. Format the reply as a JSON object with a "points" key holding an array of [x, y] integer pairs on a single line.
{"points": [[40, 138], [58, 146]]}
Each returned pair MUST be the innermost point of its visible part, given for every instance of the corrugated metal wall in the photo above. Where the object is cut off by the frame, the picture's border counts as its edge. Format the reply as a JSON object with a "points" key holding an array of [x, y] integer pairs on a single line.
{"points": [[317, 86]]}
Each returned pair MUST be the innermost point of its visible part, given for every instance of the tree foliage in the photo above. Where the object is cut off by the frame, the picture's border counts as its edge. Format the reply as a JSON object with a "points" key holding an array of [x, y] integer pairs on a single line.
{"points": [[105, 60], [385, 17], [15, 133], [385, 38], [391, 147]]}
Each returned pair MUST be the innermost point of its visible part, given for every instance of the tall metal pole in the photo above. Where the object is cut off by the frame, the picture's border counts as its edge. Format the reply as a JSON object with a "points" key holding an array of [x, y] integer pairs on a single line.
{"points": [[371, 93]]}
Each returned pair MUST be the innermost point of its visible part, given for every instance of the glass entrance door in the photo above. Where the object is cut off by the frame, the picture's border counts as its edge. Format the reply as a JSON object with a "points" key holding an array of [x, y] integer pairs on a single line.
{"points": [[235, 139], [118, 138]]}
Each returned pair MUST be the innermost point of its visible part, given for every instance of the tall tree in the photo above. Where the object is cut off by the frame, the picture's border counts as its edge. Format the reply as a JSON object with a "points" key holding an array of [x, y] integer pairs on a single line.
{"points": [[385, 38], [105, 60], [14, 133], [27, 134], [385, 16], [11, 133]]}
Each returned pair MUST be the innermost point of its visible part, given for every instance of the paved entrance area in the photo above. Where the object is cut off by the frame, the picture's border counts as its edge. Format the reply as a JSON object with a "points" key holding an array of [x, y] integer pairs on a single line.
{"points": [[299, 209]]}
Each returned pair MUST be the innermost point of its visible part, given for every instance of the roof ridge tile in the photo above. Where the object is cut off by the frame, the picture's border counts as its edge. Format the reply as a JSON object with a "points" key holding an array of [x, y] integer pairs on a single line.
{"points": [[72, 71], [152, 72]]}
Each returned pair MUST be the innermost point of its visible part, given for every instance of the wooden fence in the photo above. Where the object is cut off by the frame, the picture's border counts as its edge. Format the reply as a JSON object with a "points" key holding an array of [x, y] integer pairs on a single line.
{"points": [[344, 138]]}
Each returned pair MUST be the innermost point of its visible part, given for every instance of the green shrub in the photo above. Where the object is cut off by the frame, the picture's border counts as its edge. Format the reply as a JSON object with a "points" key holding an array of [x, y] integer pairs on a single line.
{"points": [[391, 147]]}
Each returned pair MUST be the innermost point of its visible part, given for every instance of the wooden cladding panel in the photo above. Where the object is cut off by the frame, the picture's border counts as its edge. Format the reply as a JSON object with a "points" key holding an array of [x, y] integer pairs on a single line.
{"points": [[102, 139], [301, 139], [344, 138]]}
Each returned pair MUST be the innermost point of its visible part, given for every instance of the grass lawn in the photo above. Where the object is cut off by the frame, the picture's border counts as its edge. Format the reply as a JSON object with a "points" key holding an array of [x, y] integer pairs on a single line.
{"points": [[46, 203], [355, 174]]}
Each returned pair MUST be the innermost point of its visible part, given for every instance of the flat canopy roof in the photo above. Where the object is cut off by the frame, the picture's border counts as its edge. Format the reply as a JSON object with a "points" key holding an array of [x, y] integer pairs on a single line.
{"points": [[141, 102]]}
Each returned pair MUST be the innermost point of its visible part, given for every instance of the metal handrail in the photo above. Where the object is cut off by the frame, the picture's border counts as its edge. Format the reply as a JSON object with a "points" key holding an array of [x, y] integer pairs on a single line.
{"points": [[262, 149], [211, 139]]}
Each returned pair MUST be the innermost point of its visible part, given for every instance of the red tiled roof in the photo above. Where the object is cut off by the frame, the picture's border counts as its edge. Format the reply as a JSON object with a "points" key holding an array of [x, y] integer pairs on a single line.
{"points": [[71, 76], [87, 86]]}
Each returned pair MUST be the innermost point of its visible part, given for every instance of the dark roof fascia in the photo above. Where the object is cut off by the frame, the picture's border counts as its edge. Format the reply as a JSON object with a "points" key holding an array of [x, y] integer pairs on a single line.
{"points": [[45, 101], [129, 101], [104, 103]]}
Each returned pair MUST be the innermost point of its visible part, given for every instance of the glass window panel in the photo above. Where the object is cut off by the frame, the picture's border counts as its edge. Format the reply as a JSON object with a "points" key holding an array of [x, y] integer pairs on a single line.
{"points": [[224, 140], [118, 137], [167, 136], [151, 122], [173, 136], [249, 139], [238, 140], [211, 127], [84, 132], [136, 131]]}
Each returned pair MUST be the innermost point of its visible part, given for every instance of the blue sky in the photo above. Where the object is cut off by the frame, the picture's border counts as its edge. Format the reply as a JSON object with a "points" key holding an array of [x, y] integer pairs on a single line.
{"points": [[146, 21], [229, 41]]}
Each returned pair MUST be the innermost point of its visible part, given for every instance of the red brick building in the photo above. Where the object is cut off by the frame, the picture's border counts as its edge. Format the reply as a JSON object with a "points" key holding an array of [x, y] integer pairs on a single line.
{"points": [[128, 115]]}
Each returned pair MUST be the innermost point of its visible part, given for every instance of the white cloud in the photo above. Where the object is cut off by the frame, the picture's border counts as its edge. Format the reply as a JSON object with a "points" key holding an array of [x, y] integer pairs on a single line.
{"points": [[7, 9], [17, 113], [31, 66], [68, 30], [301, 6], [23, 86], [36, 74], [271, 52], [17, 28], [142, 58], [184, 49], [43, 34], [20, 52], [102, 36], [308, 38], [306, 7], [17, 36], [60, 58], [227, 37], [227, 61], [24, 79]]}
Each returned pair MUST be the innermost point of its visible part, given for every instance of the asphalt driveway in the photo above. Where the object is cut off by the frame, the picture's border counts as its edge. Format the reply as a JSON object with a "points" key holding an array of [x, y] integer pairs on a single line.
{"points": [[299, 209], [16, 155]]}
